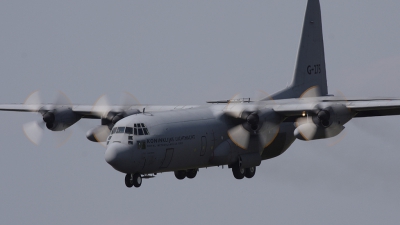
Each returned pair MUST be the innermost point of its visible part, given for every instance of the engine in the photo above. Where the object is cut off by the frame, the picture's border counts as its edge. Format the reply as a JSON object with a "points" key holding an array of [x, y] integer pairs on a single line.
{"points": [[61, 118], [113, 117], [327, 121]]}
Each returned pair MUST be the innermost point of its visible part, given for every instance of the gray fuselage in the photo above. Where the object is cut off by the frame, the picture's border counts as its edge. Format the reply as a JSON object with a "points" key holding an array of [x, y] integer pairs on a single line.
{"points": [[181, 139]]}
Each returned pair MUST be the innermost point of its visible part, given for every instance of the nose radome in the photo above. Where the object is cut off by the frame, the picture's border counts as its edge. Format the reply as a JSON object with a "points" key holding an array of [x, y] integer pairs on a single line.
{"points": [[119, 156]]}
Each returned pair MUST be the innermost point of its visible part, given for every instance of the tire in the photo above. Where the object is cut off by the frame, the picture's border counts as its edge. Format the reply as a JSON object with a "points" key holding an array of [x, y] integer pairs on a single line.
{"points": [[191, 173], [238, 172], [137, 180], [250, 172], [128, 180], [180, 174]]}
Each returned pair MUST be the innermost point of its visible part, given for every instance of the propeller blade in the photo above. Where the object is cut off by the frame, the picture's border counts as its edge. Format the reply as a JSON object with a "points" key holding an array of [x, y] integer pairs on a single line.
{"points": [[311, 92], [33, 101], [128, 100], [306, 131], [62, 99], [101, 107], [303, 120], [268, 133], [337, 139], [34, 131], [33, 98], [333, 131], [234, 108], [61, 137], [240, 136], [98, 134]]}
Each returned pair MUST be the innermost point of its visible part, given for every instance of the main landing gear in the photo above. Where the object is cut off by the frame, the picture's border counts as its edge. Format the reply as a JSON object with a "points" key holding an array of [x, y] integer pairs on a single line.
{"points": [[133, 180], [240, 173], [181, 174]]}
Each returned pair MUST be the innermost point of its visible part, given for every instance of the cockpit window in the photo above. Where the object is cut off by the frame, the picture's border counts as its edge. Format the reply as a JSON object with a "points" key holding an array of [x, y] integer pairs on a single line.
{"points": [[120, 129], [140, 129], [129, 130]]}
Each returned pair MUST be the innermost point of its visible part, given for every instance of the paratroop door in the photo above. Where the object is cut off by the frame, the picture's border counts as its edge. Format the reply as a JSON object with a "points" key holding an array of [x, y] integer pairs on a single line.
{"points": [[168, 157], [203, 146]]}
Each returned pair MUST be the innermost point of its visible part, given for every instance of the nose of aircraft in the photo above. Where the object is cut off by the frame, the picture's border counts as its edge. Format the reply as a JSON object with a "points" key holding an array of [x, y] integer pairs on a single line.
{"points": [[119, 156]]}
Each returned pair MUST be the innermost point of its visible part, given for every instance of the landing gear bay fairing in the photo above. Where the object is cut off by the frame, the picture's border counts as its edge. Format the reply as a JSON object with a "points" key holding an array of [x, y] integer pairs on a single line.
{"points": [[144, 140]]}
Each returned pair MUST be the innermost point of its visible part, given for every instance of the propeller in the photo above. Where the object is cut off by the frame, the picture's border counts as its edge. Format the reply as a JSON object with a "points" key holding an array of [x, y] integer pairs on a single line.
{"points": [[319, 123], [110, 115], [257, 125], [34, 130]]}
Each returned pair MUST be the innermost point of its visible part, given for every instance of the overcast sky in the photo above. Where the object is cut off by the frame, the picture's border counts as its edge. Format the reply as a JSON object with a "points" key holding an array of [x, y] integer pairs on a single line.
{"points": [[188, 52]]}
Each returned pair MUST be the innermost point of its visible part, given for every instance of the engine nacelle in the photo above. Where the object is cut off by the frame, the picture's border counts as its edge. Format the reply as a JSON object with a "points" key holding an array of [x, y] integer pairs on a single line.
{"points": [[60, 118], [98, 134], [326, 123], [113, 117]]}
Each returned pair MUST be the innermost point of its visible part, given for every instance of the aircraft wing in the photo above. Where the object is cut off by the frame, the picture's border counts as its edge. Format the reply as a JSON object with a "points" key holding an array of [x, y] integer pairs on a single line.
{"points": [[361, 107], [86, 111], [89, 111]]}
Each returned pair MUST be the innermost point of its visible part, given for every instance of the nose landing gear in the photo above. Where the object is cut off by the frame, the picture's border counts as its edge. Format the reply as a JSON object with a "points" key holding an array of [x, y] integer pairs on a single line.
{"points": [[133, 180]]}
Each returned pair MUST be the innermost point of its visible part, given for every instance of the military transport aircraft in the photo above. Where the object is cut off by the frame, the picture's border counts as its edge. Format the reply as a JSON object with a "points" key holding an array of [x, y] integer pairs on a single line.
{"points": [[143, 140]]}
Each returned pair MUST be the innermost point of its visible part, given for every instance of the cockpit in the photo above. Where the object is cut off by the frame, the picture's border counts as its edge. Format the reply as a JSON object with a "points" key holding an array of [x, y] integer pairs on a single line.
{"points": [[138, 129]]}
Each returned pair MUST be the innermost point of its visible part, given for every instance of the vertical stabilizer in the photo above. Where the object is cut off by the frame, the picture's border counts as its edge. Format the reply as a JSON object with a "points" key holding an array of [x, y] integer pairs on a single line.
{"points": [[310, 72]]}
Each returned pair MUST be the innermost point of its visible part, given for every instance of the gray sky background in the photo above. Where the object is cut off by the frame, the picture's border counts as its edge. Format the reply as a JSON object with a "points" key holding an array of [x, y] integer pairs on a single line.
{"points": [[188, 52]]}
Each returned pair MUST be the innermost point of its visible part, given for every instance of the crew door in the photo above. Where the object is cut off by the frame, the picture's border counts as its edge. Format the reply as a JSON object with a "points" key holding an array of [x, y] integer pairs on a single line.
{"points": [[203, 145]]}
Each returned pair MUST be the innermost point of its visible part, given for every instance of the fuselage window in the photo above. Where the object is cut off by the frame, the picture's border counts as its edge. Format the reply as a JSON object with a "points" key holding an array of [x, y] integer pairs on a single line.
{"points": [[130, 142], [130, 138], [129, 130], [141, 144], [120, 129]]}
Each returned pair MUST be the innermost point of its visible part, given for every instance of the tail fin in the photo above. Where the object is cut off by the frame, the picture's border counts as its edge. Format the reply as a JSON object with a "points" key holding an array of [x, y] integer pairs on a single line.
{"points": [[310, 73]]}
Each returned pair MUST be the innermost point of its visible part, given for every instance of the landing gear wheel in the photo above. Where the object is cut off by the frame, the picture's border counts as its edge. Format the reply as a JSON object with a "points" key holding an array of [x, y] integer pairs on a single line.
{"points": [[137, 180], [180, 174], [238, 172], [133, 180], [191, 173], [129, 180], [250, 172]]}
